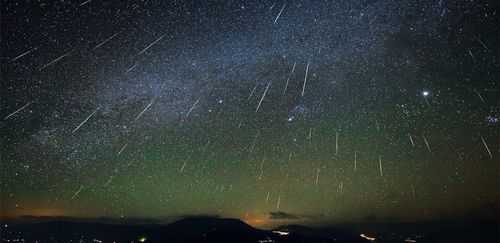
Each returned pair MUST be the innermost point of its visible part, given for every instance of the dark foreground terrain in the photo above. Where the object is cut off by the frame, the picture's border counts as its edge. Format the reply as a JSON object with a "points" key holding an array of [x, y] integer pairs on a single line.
{"points": [[199, 229], [207, 229]]}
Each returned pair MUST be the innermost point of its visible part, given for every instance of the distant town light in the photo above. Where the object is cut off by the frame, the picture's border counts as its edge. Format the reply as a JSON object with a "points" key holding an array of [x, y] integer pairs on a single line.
{"points": [[281, 232], [367, 237]]}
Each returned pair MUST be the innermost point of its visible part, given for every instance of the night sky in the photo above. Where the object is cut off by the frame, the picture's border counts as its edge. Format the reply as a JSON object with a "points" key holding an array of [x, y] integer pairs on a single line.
{"points": [[272, 112]]}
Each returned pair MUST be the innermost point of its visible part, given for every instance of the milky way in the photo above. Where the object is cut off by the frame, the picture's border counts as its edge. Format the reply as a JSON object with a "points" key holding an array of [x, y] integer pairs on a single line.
{"points": [[333, 111]]}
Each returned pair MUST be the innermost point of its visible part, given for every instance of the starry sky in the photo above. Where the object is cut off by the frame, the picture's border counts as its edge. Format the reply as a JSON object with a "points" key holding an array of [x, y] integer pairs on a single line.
{"points": [[272, 112]]}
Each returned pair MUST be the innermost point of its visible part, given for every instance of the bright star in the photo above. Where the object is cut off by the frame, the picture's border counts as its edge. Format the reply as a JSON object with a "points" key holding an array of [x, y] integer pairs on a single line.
{"points": [[425, 93]]}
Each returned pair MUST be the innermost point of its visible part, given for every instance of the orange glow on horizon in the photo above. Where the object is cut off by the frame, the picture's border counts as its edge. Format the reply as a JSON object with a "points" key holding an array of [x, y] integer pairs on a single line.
{"points": [[256, 222], [38, 212]]}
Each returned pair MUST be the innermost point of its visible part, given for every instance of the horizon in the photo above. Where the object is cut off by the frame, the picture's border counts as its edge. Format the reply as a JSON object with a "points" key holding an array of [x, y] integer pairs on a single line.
{"points": [[188, 228], [270, 224]]}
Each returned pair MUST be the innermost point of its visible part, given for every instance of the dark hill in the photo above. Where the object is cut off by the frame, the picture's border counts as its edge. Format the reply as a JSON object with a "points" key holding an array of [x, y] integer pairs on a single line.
{"points": [[206, 229]]}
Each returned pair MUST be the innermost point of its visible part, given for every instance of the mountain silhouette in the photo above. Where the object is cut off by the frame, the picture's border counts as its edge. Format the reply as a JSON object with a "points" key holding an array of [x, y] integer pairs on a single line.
{"points": [[208, 229]]}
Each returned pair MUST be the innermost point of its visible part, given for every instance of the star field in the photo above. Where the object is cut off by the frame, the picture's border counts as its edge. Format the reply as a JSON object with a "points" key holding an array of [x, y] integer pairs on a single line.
{"points": [[309, 111]]}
